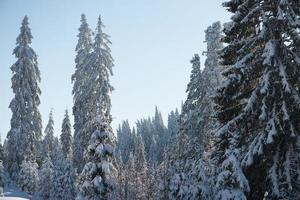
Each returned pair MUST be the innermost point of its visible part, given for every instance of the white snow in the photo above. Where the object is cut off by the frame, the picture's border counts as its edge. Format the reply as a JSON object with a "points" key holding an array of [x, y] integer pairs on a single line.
{"points": [[284, 78], [269, 53], [266, 82], [272, 131], [14, 193]]}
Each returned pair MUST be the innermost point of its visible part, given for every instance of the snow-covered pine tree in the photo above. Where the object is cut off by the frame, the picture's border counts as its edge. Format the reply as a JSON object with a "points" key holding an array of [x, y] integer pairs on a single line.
{"points": [[211, 81], [125, 143], [198, 181], [197, 112], [96, 181], [160, 135], [189, 117], [57, 151], [48, 142], [261, 96], [131, 178], [83, 50], [196, 122], [121, 177], [170, 176], [144, 128], [163, 177], [173, 126], [153, 151], [152, 182], [231, 183], [98, 71], [176, 166], [56, 191], [45, 183], [66, 136], [97, 83], [68, 181], [28, 175], [26, 120], [63, 183], [141, 170], [155, 136]]}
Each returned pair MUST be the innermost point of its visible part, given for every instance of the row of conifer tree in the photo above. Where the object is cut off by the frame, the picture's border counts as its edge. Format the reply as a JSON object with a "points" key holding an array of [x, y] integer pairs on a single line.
{"points": [[236, 137]]}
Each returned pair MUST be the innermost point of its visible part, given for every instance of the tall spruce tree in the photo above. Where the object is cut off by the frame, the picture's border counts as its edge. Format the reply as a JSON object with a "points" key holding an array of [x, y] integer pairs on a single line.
{"points": [[26, 120], [83, 50], [188, 118], [259, 103], [66, 136], [98, 87], [160, 135], [211, 80], [187, 171], [176, 167], [96, 180], [48, 143]]}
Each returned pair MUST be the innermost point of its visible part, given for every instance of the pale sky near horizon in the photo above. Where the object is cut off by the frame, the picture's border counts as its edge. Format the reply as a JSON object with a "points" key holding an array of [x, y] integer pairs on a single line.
{"points": [[153, 42]]}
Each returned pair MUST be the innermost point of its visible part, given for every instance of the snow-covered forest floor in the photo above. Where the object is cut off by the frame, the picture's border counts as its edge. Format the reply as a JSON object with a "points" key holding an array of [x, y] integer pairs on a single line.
{"points": [[14, 193]]}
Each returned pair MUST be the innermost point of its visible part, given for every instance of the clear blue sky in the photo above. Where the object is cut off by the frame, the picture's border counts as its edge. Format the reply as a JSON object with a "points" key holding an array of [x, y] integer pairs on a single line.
{"points": [[153, 42]]}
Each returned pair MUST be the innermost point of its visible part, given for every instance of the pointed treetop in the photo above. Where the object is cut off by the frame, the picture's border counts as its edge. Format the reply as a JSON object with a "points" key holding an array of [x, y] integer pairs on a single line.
{"points": [[196, 59], [213, 36], [195, 73], [99, 38], [84, 36], [51, 113], [83, 18], [100, 23], [133, 131], [49, 128], [214, 28], [176, 111], [140, 139], [66, 113], [25, 36], [25, 20], [158, 117]]}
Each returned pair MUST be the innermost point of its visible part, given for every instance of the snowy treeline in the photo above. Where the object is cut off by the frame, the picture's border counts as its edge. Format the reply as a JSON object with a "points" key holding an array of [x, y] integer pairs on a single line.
{"points": [[154, 135], [235, 137], [139, 151]]}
